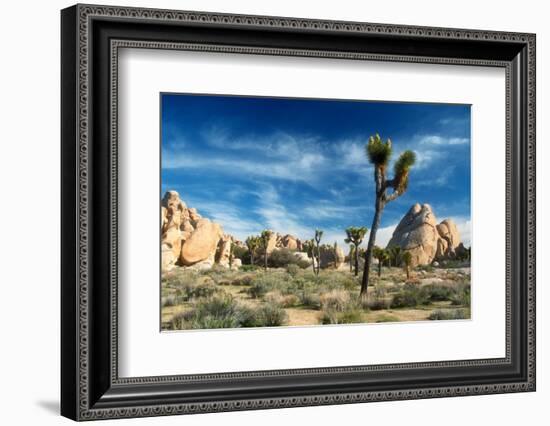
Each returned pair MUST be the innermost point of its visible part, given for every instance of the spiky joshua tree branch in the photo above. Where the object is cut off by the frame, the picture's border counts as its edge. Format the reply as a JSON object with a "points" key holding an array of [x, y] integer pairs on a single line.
{"points": [[379, 154]]}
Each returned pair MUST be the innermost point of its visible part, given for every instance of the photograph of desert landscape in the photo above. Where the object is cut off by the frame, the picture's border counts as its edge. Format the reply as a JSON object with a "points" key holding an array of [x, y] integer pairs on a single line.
{"points": [[311, 212]]}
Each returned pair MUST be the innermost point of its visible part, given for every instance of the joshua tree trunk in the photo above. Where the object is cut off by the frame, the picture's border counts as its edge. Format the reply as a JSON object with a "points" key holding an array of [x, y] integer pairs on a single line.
{"points": [[251, 257], [318, 259], [379, 268], [351, 253], [407, 270], [356, 260], [265, 259], [370, 245]]}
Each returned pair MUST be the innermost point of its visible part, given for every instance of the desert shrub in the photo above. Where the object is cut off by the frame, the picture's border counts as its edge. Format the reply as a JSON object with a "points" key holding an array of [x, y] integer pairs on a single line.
{"points": [[462, 296], [309, 299], [411, 296], [258, 289], [281, 258], [378, 304], [249, 268], [438, 293], [170, 300], [201, 290], [387, 318], [427, 268], [266, 282], [351, 315], [243, 280], [293, 269], [331, 280], [271, 315], [336, 300], [448, 314], [215, 312], [225, 312], [283, 300]]}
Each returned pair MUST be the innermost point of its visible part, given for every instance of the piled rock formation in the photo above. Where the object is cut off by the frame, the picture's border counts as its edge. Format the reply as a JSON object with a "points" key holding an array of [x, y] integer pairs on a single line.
{"points": [[190, 240], [419, 234]]}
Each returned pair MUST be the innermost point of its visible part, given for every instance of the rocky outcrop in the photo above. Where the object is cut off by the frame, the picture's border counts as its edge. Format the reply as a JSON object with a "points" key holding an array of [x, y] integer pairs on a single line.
{"points": [[419, 234], [331, 257], [187, 238], [190, 240], [278, 241]]}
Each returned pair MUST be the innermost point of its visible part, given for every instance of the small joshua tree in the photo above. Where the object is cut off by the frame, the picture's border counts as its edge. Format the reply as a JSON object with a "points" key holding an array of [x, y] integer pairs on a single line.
{"points": [[379, 154], [382, 256], [309, 247], [265, 236], [394, 252], [355, 236], [407, 260], [252, 243], [318, 236]]}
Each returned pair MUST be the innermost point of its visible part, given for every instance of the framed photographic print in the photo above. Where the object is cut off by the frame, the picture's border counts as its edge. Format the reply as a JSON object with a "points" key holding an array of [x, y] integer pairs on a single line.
{"points": [[263, 212]]}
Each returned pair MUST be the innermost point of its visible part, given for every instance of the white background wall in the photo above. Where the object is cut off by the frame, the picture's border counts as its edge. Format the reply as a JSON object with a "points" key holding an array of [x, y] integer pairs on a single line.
{"points": [[29, 212]]}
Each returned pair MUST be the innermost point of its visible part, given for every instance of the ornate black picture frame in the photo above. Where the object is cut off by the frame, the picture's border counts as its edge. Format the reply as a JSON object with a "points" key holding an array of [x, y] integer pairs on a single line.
{"points": [[91, 37]]}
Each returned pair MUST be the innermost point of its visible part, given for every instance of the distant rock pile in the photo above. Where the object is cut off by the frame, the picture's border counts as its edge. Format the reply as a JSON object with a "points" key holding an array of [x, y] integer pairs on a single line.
{"points": [[190, 240], [419, 234]]}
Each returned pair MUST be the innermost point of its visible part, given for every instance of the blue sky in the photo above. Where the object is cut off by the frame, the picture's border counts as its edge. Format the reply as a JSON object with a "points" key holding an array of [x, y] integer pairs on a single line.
{"points": [[293, 165]]}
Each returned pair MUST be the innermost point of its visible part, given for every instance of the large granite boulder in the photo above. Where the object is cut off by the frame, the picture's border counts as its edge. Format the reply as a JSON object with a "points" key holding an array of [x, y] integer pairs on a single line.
{"points": [[202, 243], [419, 234]]}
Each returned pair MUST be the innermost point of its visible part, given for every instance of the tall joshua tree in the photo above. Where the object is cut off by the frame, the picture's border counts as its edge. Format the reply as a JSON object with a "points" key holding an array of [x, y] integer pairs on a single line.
{"points": [[379, 154], [318, 236], [355, 236], [252, 243], [382, 256], [264, 240], [407, 260]]}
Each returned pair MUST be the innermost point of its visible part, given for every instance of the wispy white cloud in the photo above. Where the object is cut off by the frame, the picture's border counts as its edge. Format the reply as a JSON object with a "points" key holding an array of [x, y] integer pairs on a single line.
{"points": [[442, 140], [295, 170], [439, 177]]}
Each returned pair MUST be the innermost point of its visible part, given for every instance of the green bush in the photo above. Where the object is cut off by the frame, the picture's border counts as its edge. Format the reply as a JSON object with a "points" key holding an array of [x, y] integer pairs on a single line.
{"points": [[462, 296], [335, 300], [387, 318], [378, 304], [281, 258], [448, 314], [411, 296], [243, 280], [293, 269], [271, 315], [309, 299], [351, 315], [249, 268], [439, 293], [215, 312]]}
